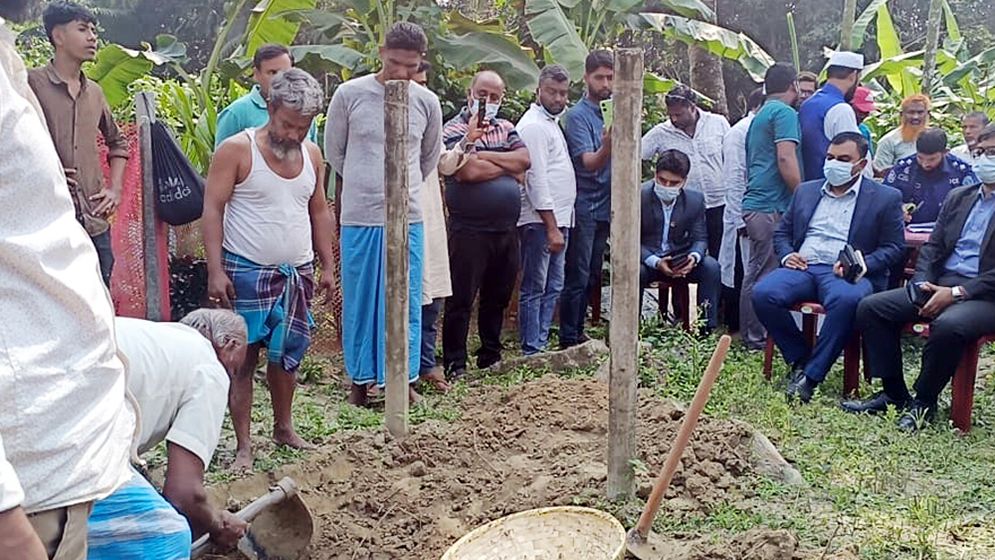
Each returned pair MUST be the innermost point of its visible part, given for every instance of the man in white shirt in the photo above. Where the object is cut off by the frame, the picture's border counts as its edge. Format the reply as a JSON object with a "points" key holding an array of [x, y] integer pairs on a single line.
{"points": [[734, 252], [66, 428], [971, 125], [179, 376], [547, 208], [698, 134], [901, 142]]}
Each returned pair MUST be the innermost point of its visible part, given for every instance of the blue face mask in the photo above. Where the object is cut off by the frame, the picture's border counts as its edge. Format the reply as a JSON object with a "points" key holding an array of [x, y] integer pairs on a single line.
{"points": [[666, 194], [490, 110], [984, 168], [838, 172]]}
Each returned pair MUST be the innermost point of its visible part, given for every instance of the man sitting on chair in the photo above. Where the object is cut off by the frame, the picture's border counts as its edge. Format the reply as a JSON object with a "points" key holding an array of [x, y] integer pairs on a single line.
{"points": [[826, 216], [673, 237], [956, 269]]}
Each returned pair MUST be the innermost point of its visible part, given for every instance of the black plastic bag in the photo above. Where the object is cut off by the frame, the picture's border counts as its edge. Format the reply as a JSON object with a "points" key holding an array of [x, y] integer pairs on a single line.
{"points": [[179, 189]]}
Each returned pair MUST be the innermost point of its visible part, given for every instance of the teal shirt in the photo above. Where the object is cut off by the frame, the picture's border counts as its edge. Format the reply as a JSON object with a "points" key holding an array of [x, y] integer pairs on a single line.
{"points": [[248, 111], [766, 191]]}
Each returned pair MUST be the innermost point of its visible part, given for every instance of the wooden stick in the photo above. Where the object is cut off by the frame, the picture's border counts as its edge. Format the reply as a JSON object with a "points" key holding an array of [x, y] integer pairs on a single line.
{"points": [[145, 115], [624, 326], [683, 437], [396, 236]]}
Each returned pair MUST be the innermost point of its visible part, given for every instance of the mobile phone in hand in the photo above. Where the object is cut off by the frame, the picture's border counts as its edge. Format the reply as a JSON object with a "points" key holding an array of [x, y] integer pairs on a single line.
{"points": [[481, 113], [608, 112]]}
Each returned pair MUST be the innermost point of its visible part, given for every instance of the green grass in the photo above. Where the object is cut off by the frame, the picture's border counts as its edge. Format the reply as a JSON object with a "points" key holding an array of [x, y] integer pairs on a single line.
{"points": [[871, 489]]}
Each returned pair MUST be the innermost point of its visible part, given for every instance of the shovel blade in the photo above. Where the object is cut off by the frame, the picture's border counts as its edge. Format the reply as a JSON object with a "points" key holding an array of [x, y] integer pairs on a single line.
{"points": [[281, 532]]}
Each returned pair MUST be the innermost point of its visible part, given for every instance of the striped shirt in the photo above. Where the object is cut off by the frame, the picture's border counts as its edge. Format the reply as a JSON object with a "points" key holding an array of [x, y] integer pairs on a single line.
{"points": [[829, 228]]}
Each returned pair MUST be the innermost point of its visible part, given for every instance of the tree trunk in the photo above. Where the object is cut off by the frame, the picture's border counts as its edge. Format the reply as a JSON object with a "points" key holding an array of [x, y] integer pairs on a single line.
{"points": [[846, 27], [706, 73], [932, 44]]}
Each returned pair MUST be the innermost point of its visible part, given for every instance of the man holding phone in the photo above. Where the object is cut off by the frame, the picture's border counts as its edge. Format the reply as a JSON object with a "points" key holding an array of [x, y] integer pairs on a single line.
{"points": [[588, 131], [673, 237], [484, 199]]}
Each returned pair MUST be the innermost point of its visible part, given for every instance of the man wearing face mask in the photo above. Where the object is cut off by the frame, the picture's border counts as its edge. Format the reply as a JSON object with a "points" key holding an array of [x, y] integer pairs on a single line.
{"points": [[698, 134], [829, 113], [825, 216], [484, 200], [547, 208], [673, 241], [957, 267]]}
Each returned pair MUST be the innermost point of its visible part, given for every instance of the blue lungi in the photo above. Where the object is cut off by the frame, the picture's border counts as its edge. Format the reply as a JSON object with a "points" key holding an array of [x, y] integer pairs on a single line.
{"points": [[137, 523], [364, 296]]}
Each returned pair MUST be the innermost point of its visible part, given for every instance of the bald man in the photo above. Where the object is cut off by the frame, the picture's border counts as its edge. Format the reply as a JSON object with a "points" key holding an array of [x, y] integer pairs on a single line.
{"points": [[484, 200]]}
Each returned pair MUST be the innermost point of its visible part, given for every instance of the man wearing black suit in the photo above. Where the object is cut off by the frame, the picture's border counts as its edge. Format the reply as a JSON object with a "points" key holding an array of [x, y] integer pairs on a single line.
{"points": [[673, 238], [956, 266]]}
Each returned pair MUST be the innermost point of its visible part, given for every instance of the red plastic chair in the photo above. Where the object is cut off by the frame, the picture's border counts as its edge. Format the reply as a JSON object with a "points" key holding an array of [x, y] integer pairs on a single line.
{"points": [[963, 382], [810, 321]]}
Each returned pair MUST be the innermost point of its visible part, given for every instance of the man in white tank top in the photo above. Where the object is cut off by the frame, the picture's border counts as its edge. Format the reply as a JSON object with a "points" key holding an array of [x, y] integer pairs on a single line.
{"points": [[265, 217]]}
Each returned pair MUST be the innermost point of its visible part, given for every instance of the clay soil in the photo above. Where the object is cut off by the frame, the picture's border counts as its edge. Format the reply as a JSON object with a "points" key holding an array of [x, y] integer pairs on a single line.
{"points": [[539, 444]]}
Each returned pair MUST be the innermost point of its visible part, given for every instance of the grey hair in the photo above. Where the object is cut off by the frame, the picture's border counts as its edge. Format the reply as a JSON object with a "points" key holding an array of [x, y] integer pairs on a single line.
{"points": [[297, 90], [555, 72], [220, 326]]}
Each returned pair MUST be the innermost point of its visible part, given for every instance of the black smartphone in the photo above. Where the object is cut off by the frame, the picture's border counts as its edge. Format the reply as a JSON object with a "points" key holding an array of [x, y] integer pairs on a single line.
{"points": [[481, 113]]}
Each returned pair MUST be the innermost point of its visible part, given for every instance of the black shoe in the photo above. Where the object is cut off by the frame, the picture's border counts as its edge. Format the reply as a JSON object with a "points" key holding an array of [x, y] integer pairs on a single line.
{"points": [[797, 371], [802, 387], [484, 363], [455, 374], [570, 344], [878, 402], [918, 416]]}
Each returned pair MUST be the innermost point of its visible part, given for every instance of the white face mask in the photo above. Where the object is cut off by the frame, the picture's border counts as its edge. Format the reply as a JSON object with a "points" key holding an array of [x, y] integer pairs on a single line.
{"points": [[545, 111], [838, 172], [490, 109], [666, 194], [984, 168]]}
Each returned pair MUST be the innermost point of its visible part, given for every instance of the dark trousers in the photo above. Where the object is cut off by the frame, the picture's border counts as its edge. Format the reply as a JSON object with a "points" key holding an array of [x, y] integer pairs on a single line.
{"points": [[706, 275], [102, 243], [782, 289], [730, 296], [482, 262], [880, 319], [429, 316], [585, 257], [714, 226]]}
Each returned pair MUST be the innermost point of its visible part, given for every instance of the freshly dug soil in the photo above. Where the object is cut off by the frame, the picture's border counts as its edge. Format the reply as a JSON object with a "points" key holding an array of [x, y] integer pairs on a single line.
{"points": [[539, 444]]}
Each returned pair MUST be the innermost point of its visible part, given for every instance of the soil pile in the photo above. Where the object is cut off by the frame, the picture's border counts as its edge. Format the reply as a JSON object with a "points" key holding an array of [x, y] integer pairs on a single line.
{"points": [[539, 444]]}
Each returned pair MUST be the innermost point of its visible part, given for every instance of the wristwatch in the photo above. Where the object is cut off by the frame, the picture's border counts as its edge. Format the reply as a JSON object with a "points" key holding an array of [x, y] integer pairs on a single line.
{"points": [[958, 293]]}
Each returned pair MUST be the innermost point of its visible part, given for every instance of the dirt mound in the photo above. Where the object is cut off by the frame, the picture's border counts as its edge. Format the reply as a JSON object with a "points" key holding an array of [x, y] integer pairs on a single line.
{"points": [[535, 445]]}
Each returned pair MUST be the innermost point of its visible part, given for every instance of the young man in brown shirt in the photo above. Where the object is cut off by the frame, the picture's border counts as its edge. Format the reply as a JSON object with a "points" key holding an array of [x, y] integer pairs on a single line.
{"points": [[76, 110]]}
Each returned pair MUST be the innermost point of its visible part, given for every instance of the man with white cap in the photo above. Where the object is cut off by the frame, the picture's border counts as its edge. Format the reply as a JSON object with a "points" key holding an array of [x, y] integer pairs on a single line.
{"points": [[828, 112]]}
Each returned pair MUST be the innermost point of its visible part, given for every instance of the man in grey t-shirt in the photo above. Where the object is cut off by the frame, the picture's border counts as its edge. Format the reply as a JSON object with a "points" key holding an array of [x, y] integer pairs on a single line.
{"points": [[354, 145]]}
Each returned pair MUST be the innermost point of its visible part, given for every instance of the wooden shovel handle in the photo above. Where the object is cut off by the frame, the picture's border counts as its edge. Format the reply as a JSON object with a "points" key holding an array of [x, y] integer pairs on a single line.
{"points": [[683, 437], [283, 490]]}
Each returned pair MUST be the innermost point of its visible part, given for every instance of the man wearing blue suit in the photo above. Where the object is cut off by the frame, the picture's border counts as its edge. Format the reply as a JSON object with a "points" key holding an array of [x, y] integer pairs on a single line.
{"points": [[673, 236], [824, 217]]}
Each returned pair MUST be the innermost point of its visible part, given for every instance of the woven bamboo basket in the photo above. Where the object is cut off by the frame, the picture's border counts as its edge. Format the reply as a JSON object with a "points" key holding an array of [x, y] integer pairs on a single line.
{"points": [[554, 533]]}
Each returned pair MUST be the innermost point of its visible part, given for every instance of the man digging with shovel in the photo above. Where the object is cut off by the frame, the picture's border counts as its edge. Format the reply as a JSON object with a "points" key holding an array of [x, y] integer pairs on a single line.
{"points": [[179, 375]]}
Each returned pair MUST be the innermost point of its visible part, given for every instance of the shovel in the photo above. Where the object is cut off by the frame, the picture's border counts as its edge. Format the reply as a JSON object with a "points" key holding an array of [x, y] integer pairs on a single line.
{"points": [[281, 526], [640, 541]]}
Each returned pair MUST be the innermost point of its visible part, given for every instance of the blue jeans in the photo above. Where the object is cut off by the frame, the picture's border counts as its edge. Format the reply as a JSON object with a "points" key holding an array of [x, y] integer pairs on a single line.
{"points": [[542, 281], [429, 315], [584, 259], [782, 289]]}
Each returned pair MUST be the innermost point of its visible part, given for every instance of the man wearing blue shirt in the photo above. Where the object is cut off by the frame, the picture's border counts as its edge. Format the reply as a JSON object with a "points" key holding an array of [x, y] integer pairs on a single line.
{"points": [[589, 143], [249, 111], [773, 173], [957, 267], [828, 113]]}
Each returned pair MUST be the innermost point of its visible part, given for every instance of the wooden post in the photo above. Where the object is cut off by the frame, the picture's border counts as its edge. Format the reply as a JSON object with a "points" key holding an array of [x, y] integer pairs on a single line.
{"points": [[396, 235], [145, 116], [624, 325], [846, 26]]}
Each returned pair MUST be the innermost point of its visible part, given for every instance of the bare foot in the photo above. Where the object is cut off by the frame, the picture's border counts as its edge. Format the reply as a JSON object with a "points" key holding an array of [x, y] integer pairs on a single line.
{"points": [[437, 379], [290, 438], [243, 461], [414, 398], [358, 395]]}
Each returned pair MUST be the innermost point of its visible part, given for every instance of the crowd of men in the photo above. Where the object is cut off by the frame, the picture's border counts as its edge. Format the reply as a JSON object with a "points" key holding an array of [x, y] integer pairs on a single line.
{"points": [[796, 202]]}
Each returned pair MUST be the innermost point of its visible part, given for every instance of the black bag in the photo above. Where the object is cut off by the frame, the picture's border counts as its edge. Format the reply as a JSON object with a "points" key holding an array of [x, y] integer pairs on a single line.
{"points": [[179, 189]]}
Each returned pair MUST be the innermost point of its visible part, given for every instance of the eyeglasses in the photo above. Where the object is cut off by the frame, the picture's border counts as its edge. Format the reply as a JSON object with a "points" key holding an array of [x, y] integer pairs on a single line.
{"points": [[990, 152]]}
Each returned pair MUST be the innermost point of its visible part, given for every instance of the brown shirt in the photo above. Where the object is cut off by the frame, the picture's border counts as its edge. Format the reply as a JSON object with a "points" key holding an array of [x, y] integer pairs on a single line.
{"points": [[74, 124]]}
